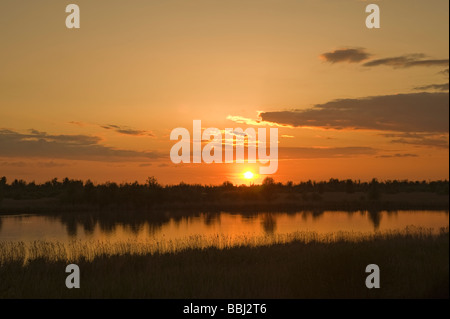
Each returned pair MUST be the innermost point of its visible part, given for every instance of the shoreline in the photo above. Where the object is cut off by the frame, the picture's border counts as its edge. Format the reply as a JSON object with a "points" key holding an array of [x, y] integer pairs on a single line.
{"points": [[333, 201]]}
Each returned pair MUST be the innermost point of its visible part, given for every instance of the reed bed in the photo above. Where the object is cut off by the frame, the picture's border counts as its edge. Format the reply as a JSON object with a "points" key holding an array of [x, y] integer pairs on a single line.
{"points": [[88, 250]]}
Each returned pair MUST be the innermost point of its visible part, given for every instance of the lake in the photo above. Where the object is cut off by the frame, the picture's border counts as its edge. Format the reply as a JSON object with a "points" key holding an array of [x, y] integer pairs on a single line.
{"points": [[205, 229]]}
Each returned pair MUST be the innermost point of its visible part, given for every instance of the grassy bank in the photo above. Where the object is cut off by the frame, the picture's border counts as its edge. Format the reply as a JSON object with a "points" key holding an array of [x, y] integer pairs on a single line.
{"points": [[413, 265]]}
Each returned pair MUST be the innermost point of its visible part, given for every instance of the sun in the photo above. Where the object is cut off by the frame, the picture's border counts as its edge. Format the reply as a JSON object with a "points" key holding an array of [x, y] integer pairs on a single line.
{"points": [[249, 175]]}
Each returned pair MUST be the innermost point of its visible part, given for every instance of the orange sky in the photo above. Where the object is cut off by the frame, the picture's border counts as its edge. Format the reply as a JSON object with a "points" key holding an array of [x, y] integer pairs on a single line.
{"points": [[100, 102]]}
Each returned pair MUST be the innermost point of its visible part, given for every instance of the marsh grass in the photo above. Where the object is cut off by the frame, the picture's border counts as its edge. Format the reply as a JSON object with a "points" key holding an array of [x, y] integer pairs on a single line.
{"points": [[414, 263], [76, 250]]}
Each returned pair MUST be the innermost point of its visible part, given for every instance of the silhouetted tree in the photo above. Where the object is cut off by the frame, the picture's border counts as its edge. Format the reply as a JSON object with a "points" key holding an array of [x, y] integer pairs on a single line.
{"points": [[2, 188], [268, 189], [374, 190], [349, 186]]}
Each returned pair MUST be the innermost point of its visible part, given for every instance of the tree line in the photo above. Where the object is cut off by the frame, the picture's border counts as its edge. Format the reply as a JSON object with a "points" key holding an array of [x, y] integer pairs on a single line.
{"points": [[72, 191]]}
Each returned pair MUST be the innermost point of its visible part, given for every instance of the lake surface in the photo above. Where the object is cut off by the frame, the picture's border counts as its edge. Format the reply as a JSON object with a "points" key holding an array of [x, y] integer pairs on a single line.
{"points": [[235, 227]]}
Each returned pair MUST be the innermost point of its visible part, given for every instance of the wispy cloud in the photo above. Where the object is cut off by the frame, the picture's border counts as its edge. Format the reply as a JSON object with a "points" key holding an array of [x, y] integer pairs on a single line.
{"points": [[324, 152], [126, 130], [438, 87], [79, 147], [398, 155], [50, 164], [256, 122], [414, 112], [345, 55], [420, 139], [78, 123], [407, 61]]}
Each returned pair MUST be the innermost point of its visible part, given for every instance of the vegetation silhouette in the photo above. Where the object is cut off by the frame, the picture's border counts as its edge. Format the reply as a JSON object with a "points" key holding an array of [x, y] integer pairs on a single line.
{"points": [[134, 196], [414, 264]]}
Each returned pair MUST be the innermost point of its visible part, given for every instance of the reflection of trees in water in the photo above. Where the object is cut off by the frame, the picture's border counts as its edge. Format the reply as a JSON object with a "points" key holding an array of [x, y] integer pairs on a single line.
{"points": [[71, 228], [392, 212], [134, 227], [107, 227], [248, 219], [153, 228], [108, 223], [269, 223], [211, 219], [1, 223], [315, 214], [88, 226], [351, 212], [375, 218]]}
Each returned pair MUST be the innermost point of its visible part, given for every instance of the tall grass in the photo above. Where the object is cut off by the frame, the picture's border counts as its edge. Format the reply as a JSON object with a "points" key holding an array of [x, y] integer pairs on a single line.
{"points": [[88, 250], [414, 263]]}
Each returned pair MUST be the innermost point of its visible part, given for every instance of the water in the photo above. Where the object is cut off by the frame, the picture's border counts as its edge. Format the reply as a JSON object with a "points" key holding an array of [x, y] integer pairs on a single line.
{"points": [[235, 227]]}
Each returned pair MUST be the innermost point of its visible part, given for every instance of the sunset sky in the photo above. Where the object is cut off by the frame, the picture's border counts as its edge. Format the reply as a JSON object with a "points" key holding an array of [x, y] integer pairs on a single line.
{"points": [[100, 102]]}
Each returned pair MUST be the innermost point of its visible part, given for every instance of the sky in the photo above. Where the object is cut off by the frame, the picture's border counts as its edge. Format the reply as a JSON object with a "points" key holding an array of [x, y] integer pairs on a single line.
{"points": [[100, 102]]}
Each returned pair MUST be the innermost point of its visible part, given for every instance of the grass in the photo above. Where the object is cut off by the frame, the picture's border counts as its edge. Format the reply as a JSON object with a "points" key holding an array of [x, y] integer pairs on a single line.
{"points": [[414, 263]]}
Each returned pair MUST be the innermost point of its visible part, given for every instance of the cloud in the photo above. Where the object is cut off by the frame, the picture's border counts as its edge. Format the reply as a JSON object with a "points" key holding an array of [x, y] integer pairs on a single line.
{"points": [[324, 152], [437, 143], [398, 155], [414, 112], [407, 61], [49, 164], [420, 139], [14, 164], [439, 87], [80, 147], [82, 124], [126, 131], [345, 55], [255, 122]]}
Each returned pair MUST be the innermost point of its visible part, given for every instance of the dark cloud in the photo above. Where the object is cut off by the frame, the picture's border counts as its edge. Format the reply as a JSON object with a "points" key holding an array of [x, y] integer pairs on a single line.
{"points": [[126, 130], [145, 165], [439, 87], [69, 139], [14, 164], [49, 164], [428, 142], [80, 147], [398, 155], [415, 112], [407, 61], [323, 152], [345, 55], [420, 139]]}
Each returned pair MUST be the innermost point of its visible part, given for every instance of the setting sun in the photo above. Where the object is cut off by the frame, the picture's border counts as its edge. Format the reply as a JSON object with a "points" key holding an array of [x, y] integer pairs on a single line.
{"points": [[249, 175]]}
